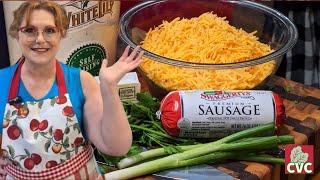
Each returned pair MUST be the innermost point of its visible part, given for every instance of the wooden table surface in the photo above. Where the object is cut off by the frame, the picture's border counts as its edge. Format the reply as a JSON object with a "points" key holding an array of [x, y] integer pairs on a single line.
{"points": [[302, 105]]}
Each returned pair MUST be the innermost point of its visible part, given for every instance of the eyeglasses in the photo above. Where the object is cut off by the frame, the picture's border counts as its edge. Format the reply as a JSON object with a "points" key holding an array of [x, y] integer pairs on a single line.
{"points": [[49, 33]]}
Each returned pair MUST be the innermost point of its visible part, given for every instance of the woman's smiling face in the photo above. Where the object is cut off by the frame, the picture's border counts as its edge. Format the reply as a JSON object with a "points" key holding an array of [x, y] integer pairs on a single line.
{"points": [[40, 40]]}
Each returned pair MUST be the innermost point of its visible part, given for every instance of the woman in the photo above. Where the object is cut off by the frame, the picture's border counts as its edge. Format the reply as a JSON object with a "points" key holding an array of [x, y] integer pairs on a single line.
{"points": [[51, 111]]}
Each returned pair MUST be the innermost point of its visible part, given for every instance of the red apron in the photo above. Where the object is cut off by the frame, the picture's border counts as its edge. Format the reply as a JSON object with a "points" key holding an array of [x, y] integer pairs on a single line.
{"points": [[42, 139]]}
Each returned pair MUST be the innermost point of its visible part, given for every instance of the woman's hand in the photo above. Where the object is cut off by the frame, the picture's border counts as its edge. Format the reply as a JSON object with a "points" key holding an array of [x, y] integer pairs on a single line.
{"points": [[104, 114], [112, 75], [3, 173]]}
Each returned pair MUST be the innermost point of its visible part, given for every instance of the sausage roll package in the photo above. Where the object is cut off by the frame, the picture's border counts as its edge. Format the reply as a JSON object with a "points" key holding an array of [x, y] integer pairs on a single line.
{"points": [[215, 114]]}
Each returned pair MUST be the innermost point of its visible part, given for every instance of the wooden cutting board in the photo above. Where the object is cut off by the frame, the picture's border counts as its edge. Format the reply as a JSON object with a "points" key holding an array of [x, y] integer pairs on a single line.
{"points": [[302, 105]]}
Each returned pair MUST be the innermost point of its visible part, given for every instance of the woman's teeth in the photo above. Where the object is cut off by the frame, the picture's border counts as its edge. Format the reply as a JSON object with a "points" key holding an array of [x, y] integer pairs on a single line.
{"points": [[40, 49]]}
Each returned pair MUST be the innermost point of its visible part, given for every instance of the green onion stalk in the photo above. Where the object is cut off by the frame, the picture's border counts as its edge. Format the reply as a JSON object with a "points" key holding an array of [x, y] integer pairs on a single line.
{"points": [[240, 136], [216, 151]]}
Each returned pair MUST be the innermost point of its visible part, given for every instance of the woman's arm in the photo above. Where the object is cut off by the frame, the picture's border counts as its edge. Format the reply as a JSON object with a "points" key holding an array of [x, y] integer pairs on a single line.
{"points": [[105, 120]]}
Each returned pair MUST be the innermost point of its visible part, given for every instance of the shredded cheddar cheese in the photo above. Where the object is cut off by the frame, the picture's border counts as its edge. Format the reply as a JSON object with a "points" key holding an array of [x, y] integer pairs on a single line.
{"points": [[204, 39]]}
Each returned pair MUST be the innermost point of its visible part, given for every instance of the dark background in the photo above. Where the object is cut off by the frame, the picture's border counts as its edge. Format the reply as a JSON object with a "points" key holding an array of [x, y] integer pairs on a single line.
{"points": [[4, 55]]}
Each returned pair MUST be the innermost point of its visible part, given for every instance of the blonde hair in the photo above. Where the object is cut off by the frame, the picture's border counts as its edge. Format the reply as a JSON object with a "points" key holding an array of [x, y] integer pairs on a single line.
{"points": [[26, 8]]}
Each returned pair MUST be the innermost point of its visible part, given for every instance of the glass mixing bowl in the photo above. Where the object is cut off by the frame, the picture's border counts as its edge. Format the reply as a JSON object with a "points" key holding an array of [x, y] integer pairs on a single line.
{"points": [[165, 74]]}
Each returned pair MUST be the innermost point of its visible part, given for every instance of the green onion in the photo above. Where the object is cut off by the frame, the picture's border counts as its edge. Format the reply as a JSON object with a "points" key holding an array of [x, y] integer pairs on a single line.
{"points": [[129, 161], [210, 152], [260, 158]]}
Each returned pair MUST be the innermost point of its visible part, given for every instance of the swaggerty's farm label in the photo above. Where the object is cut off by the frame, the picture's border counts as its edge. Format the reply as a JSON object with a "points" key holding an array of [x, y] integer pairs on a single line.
{"points": [[219, 113], [91, 37]]}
